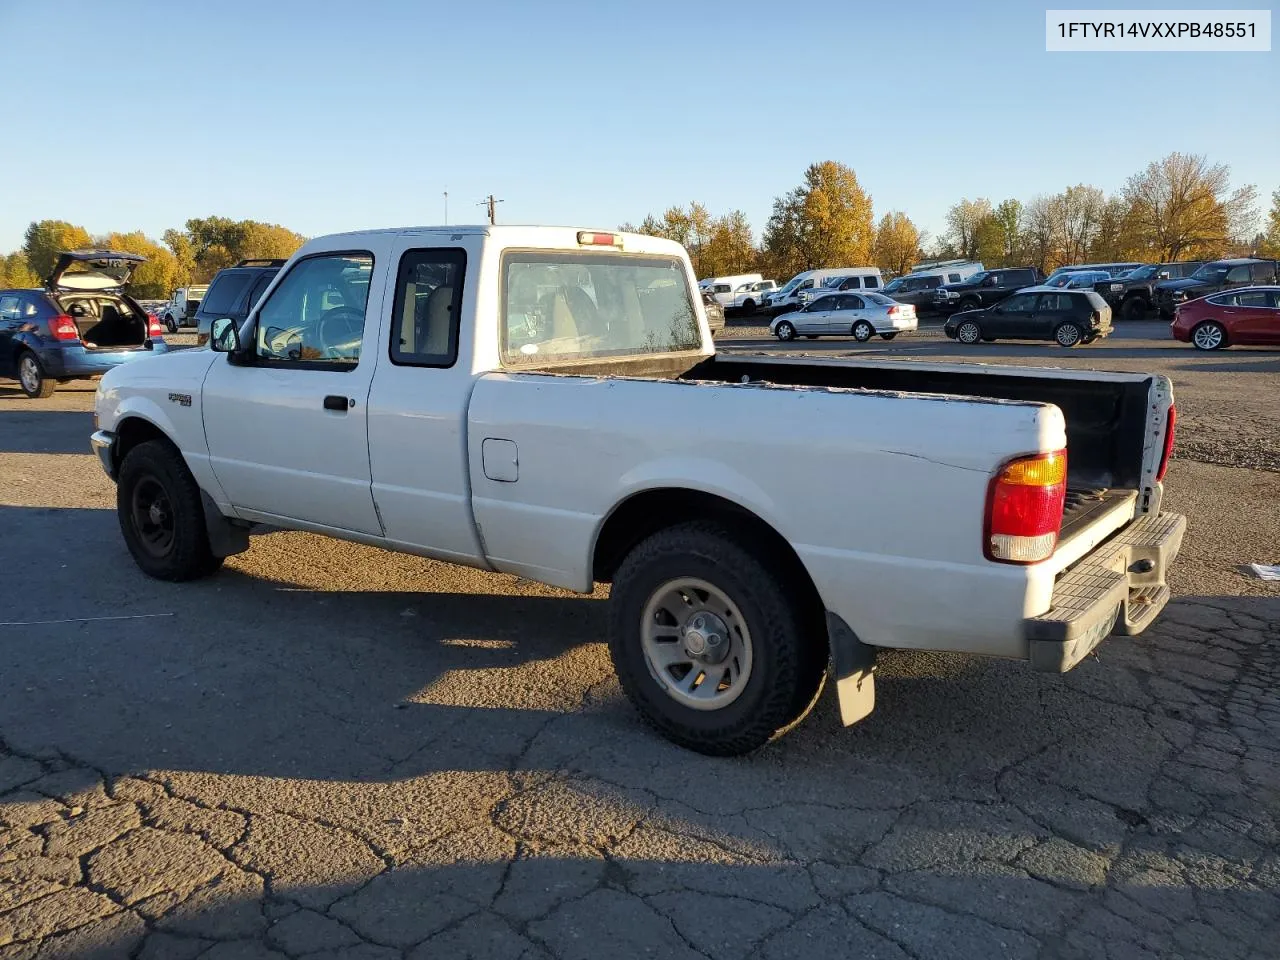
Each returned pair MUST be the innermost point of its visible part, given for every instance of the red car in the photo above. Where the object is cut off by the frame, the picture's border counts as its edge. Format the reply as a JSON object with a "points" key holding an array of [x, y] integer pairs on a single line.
{"points": [[1248, 315]]}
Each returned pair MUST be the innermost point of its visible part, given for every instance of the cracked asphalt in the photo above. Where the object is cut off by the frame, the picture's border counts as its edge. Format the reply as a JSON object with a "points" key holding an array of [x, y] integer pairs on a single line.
{"points": [[328, 751]]}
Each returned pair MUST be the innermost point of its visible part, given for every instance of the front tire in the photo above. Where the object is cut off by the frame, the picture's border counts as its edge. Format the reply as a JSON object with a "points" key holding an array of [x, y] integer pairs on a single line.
{"points": [[785, 331], [161, 515], [1135, 308], [35, 383], [1068, 335], [1209, 336], [863, 331], [710, 645], [170, 324], [748, 306], [969, 333]]}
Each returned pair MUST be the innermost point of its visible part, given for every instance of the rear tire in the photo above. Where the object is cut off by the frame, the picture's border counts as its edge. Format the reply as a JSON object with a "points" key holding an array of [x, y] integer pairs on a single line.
{"points": [[1209, 336], [1068, 335], [171, 324], [970, 303], [161, 514], [968, 333], [887, 336], [35, 383], [863, 331], [811, 336], [778, 660]]}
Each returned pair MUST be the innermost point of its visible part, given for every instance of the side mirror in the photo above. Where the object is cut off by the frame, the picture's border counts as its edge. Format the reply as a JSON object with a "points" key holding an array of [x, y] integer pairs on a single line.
{"points": [[224, 336]]}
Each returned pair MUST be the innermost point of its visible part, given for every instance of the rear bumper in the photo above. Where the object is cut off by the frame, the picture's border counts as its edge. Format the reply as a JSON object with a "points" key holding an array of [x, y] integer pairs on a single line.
{"points": [[1118, 588], [76, 361]]}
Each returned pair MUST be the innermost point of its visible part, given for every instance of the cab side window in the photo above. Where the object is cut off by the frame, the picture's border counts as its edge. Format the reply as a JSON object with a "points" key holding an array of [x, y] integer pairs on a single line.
{"points": [[424, 319], [315, 315]]}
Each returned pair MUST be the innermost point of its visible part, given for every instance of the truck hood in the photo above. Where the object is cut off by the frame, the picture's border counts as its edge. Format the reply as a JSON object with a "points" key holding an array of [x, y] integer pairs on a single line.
{"points": [[1185, 284], [94, 270]]}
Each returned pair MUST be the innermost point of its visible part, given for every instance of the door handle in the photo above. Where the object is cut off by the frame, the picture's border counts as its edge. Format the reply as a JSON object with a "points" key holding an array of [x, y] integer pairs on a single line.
{"points": [[335, 402]]}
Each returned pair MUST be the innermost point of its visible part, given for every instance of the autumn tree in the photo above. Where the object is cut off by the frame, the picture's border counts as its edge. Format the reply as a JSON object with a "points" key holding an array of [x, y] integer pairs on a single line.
{"points": [[729, 248], [217, 242], [45, 239], [179, 244], [1008, 217], [826, 221], [1075, 213], [1037, 232], [963, 220], [153, 280], [1182, 207], [897, 243]]}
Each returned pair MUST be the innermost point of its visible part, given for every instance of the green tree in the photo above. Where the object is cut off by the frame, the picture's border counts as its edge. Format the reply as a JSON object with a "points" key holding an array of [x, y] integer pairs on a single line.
{"points": [[1270, 244], [962, 225], [1008, 215], [729, 248], [826, 221], [217, 242], [155, 279], [1182, 206], [180, 246], [897, 243], [989, 242], [16, 273], [45, 239]]}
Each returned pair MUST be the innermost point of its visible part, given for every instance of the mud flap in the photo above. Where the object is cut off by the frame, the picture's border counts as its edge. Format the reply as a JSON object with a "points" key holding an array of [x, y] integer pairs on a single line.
{"points": [[854, 666], [226, 537]]}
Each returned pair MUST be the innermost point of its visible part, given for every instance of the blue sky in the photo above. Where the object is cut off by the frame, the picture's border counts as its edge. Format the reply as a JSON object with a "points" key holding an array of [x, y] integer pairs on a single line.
{"points": [[328, 116]]}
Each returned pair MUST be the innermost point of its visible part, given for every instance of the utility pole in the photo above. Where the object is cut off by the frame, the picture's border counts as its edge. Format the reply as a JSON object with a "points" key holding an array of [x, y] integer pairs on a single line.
{"points": [[490, 202], [446, 208]]}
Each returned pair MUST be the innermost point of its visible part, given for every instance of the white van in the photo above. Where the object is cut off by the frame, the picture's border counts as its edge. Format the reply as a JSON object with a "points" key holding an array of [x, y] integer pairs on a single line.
{"points": [[733, 282], [949, 271], [804, 286]]}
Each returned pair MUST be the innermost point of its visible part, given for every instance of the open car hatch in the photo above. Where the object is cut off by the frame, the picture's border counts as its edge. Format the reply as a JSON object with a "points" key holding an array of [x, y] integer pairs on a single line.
{"points": [[87, 270]]}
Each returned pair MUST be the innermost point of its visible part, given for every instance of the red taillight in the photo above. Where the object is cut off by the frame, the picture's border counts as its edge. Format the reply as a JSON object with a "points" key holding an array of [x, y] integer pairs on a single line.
{"points": [[1024, 509], [63, 327], [1168, 442], [153, 326], [894, 312]]}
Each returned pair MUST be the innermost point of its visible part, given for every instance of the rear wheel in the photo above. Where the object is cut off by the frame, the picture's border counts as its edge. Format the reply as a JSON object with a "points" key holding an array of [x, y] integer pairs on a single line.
{"points": [[170, 324], [811, 336], [1068, 335], [161, 515], [711, 645], [1209, 336], [970, 303], [31, 375], [887, 336], [863, 331], [968, 332], [784, 331]]}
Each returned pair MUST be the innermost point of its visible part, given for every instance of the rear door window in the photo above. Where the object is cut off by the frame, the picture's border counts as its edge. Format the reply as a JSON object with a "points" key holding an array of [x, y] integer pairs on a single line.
{"points": [[225, 292], [871, 283], [1264, 272], [9, 308], [953, 278], [1238, 274], [851, 302], [1253, 298]]}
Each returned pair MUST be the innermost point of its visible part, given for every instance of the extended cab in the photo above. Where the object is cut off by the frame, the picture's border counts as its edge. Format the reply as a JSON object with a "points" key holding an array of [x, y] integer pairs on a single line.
{"points": [[547, 402], [984, 288]]}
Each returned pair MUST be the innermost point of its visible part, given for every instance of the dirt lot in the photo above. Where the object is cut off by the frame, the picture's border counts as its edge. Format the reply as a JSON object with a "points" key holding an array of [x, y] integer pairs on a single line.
{"points": [[328, 751]]}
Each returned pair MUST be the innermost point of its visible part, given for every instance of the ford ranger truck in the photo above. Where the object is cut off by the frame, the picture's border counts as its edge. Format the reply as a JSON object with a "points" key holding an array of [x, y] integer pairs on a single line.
{"points": [[547, 402]]}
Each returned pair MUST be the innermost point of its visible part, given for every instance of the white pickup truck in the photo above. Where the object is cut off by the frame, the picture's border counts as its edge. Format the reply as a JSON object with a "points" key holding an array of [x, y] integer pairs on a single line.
{"points": [[547, 402]]}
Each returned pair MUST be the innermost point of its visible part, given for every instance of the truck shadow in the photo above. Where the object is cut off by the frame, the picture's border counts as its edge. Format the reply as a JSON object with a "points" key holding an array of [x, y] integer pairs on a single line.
{"points": [[399, 759], [29, 429]]}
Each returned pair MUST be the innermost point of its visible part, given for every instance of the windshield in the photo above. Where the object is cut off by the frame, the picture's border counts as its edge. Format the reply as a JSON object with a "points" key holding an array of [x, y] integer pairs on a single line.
{"points": [[1210, 271], [1142, 273], [568, 306], [793, 283], [893, 285], [977, 277]]}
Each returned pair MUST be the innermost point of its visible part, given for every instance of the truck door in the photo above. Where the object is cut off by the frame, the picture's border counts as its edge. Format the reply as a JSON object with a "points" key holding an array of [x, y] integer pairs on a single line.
{"points": [[287, 426], [418, 408]]}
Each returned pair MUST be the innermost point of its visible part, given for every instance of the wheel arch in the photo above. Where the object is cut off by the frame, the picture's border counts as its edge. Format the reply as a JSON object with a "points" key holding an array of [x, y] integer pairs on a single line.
{"points": [[132, 430]]}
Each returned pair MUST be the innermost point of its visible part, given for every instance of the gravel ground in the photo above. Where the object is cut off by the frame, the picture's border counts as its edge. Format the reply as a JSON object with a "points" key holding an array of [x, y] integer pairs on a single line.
{"points": [[328, 751]]}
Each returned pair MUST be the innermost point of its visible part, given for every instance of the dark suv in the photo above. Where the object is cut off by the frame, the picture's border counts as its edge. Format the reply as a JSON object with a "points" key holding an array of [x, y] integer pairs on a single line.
{"points": [[1133, 295], [918, 291], [1212, 277], [81, 324], [233, 293], [1068, 317], [985, 288]]}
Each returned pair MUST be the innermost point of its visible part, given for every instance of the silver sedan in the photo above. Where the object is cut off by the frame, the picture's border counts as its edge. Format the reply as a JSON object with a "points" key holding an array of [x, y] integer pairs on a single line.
{"points": [[860, 315]]}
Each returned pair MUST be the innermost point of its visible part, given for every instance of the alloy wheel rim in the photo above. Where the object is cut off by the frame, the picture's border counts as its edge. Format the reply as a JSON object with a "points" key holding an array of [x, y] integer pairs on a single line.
{"points": [[29, 374], [1068, 335], [696, 644], [969, 333], [1208, 337]]}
